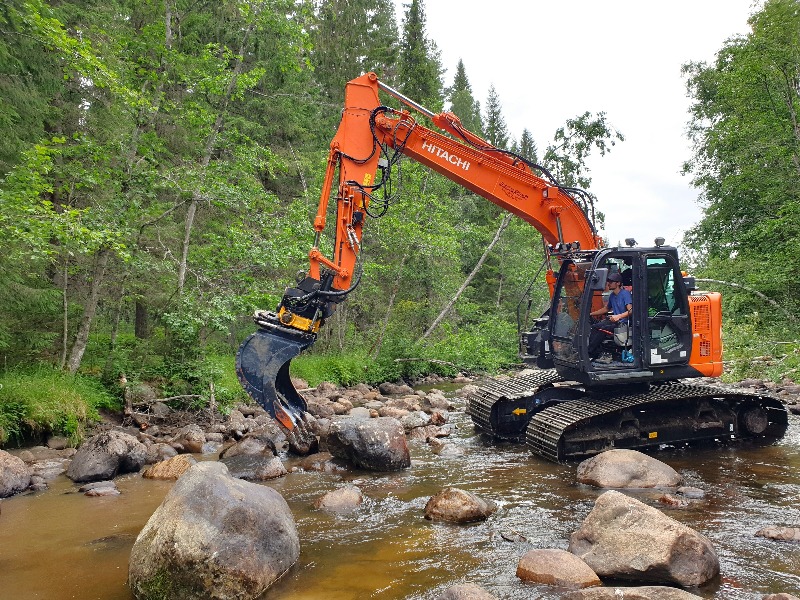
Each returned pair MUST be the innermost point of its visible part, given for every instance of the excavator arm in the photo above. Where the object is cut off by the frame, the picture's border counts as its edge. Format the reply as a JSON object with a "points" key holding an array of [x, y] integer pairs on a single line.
{"points": [[358, 154]]}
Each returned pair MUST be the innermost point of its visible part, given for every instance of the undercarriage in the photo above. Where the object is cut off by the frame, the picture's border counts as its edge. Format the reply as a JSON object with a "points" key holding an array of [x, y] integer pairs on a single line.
{"points": [[561, 420]]}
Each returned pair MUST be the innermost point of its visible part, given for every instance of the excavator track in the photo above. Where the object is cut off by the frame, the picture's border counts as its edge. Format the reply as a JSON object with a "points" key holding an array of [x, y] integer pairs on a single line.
{"points": [[560, 421], [502, 408], [669, 413]]}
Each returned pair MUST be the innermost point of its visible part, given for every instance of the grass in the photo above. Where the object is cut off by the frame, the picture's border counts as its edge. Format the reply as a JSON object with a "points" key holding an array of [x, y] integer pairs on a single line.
{"points": [[49, 402], [759, 349]]}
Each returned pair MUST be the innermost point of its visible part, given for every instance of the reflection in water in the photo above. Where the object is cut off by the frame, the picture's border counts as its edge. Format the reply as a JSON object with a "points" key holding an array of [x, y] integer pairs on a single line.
{"points": [[62, 544]]}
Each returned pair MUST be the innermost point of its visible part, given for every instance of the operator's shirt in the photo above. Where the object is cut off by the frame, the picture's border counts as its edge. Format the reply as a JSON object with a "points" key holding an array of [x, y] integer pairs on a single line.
{"points": [[618, 303]]}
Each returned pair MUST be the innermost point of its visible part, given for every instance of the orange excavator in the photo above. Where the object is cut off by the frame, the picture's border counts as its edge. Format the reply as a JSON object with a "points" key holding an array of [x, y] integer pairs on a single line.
{"points": [[569, 406]]}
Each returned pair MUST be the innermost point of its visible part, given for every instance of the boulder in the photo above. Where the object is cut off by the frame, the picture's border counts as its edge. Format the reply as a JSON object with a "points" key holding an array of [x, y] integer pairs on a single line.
{"points": [[100, 489], [415, 420], [172, 468], [324, 462], [159, 452], [458, 506], [47, 470], [466, 591], [213, 536], [189, 439], [623, 538], [376, 444], [344, 499], [556, 567], [627, 469], [254, 467], [394, 389], [650, 592], [781, 534], [781, 596], [692, 493], [360, 412], [264, 441], [106, 455], [436, 401], [14, 475], [57, 442]]}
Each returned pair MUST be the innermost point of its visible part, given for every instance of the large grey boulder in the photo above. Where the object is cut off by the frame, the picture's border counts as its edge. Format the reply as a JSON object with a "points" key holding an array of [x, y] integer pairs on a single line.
{"points": [[14, 475], [106, 455], [213, 537], [627, 469], [623, 538], [375, 444], [649, 592], [556, 567]]}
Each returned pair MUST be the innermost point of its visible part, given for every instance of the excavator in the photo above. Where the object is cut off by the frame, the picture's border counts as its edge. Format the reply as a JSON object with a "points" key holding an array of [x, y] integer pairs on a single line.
{"points": [[567, 405]]}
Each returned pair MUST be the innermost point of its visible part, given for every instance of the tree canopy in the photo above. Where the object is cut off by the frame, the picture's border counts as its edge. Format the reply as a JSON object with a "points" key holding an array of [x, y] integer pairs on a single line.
{"points": [[161, 166]]}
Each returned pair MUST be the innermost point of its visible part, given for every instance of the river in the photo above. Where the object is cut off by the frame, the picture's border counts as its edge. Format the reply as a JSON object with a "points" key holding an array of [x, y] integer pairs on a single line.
{"points": [[60, 544]]}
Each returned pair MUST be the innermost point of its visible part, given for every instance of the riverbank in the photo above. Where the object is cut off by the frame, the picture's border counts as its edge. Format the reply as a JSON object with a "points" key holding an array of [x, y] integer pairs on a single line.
{"points": [[59, 543]]}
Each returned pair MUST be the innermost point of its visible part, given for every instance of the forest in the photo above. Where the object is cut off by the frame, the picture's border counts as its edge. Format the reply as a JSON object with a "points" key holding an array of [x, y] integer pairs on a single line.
{"points": [[161, 165]]}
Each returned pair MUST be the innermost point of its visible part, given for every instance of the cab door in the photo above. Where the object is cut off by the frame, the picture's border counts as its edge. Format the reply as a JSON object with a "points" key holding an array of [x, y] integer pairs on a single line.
{"points": [[669, 330]]}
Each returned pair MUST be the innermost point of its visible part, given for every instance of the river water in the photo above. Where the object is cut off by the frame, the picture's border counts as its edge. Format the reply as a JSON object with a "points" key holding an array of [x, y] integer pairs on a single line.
{"points": [[60, 544]]}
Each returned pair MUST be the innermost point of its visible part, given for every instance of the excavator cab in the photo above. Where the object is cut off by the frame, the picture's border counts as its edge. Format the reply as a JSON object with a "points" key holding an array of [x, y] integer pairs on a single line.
{"points": [[656, 344]]}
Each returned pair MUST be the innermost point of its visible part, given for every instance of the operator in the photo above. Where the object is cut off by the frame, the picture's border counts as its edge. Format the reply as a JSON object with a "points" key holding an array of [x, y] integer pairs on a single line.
{"points": [[620, 303]]}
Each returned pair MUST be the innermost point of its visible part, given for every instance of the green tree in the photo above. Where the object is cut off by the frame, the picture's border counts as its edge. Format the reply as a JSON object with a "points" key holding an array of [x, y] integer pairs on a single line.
{"points": [[420, 66], [462, 102], [370, 30], [495, 126], [527, 147], [746, 155]]}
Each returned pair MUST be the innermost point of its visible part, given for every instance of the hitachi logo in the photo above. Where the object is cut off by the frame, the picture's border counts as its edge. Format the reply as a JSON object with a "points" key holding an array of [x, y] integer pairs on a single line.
{"points": [[445, 155]]}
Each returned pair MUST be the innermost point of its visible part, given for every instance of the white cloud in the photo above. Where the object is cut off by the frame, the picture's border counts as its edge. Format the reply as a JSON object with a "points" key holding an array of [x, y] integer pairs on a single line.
{"points": [[551, 61]]}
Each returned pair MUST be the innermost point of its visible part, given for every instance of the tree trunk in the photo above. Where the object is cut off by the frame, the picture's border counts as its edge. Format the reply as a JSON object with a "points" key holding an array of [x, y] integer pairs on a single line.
{"points": [[112, 344], [89, 311], [140, 323], [65, 326], [470, 277]]}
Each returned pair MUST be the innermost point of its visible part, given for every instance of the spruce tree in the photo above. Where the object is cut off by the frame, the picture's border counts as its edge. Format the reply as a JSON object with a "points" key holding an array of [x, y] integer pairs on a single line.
{"points": [[495, 127], [420, 67], [527, 147], [462, 102]]}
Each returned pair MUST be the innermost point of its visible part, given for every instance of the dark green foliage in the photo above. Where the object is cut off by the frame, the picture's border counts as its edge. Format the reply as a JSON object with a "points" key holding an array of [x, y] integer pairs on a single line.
{"points": [[420, 68], [463, 103], [495, 128], [746, 159]]}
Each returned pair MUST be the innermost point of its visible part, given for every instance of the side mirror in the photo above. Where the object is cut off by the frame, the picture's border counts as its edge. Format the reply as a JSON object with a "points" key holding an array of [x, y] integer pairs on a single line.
{"points": [[597, 279]]}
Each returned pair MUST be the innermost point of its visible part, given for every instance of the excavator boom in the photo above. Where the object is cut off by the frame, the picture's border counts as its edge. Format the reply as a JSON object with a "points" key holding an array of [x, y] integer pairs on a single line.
{"points": [[358, 154]]}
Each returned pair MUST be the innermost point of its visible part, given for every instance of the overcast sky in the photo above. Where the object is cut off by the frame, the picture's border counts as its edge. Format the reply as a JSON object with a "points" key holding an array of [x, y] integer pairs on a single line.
{"points": [[553, 60]]}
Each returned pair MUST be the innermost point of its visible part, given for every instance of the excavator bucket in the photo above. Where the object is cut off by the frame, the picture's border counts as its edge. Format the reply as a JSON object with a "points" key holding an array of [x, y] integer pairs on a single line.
{"points": [[262, 365]]}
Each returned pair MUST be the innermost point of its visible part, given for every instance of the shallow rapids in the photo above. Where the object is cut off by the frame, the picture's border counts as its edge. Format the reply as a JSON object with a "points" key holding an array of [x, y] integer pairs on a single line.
{"points": [[60, 544]]}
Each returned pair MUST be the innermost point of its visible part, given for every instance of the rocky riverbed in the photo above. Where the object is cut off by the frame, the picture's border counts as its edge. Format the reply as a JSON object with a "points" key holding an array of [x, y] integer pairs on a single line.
{"points": [[362, 532]]}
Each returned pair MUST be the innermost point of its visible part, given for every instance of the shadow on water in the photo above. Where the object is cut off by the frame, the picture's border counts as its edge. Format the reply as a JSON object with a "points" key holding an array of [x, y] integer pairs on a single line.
{"points": [[61, 544]]}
